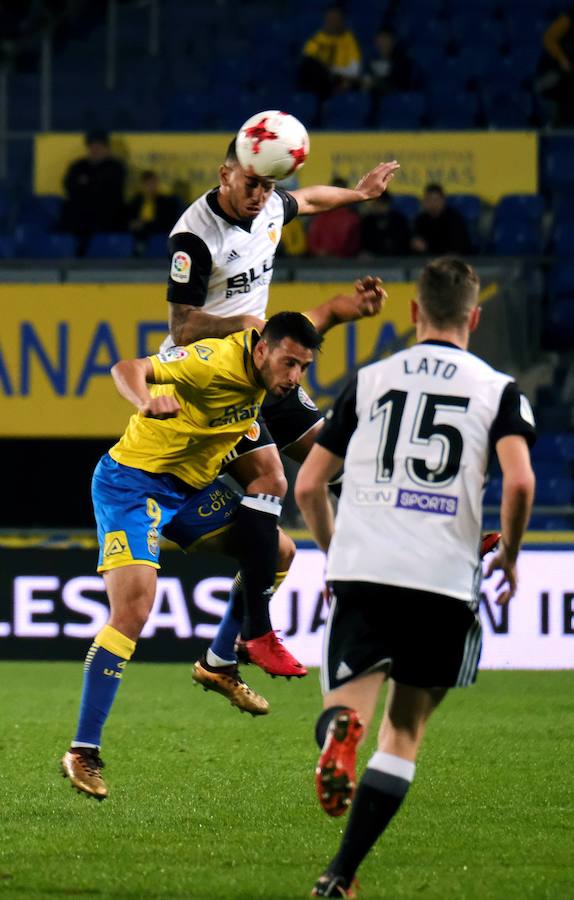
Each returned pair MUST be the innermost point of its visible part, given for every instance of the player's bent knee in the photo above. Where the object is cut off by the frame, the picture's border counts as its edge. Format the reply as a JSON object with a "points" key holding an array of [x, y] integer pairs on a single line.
{"points": [[271, 482]]}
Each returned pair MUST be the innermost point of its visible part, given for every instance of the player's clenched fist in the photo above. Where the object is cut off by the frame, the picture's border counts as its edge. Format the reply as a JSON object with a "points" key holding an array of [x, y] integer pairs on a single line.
{"points": [[161, 407], [367, 300], [371, 295]]}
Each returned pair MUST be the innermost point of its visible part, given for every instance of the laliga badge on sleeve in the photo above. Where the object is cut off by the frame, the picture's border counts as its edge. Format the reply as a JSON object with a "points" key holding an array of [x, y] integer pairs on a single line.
{"points": [[172, 354], [180, 267]]}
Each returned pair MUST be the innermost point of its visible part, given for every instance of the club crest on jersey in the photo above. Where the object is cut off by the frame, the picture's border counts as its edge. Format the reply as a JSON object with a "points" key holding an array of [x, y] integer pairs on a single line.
{"points": [[202, 351], [153, 541], [254, 432], [172, 354], [272, 232], [305, 399], [181, 267]]}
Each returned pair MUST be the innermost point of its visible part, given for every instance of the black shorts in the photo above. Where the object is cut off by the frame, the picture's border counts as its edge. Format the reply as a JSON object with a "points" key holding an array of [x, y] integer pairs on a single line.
{"points": [[419, 638], [283, 421]]}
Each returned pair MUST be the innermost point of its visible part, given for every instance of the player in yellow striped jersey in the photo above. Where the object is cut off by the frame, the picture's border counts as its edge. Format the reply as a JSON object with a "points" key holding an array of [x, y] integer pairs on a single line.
{"points": [[193, 404]]}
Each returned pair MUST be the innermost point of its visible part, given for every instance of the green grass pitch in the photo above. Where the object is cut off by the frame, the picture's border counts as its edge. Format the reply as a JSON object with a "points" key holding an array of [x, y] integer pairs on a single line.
{"points": [[210, 804]]}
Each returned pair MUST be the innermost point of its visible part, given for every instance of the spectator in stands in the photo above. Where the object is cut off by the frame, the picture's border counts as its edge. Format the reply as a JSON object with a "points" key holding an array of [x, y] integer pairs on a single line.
{"points": [[389, 69], [94, 187], [331, 60], [336, 232], [555, 79], [438, 228], [385, 231], [151, 212]]}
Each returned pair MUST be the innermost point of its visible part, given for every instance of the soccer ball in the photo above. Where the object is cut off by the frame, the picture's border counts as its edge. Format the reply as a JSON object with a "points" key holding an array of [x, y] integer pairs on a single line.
{"points": [[272, 144]]}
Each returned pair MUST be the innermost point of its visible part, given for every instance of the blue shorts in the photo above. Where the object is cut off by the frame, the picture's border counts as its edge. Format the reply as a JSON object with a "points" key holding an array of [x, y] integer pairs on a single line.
{"points": [[133, 508]]}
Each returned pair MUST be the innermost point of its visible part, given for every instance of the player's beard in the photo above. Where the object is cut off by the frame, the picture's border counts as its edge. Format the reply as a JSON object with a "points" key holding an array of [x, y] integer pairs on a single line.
{"points": [[269, 381]]}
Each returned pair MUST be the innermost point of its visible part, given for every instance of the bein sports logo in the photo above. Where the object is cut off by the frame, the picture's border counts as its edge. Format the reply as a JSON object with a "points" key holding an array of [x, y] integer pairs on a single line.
{"points": [[422, 501]]}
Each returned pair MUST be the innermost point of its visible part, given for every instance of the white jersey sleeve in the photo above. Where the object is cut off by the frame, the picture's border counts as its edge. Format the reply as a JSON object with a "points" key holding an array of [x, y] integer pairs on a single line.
{"points": [[417, 431], [222, 264]]}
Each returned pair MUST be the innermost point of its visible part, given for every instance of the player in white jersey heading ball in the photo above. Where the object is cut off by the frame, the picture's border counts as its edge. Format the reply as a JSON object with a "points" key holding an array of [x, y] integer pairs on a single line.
{"points": [[222, 252], [416, 432]]}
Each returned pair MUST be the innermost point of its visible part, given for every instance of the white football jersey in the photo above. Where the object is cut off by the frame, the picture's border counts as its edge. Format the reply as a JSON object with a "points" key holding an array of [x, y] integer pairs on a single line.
{"points": [[222, 264], [416, 431]]}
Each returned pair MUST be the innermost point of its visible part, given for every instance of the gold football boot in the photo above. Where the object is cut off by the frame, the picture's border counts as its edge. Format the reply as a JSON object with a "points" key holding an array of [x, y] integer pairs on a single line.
{"points": [[226, 680], [83, 766]]}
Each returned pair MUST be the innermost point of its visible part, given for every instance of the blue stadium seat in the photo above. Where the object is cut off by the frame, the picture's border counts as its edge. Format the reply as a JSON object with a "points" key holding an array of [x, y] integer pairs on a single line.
{"points": [[407, 204], [561, 282], [557, 169], [469, 24], [458, 109], [402, 110], [505, 108], [347, 111], [563, 216], [493, 491], [187, 110], [563, 205], [517, 208], [110, 246], [556, 416], [546, 469], [35, 242], [550, 447], [516, 239], [469, 206], [231, 68], [473, 65], [521, 63], [157, 247], [429, 60], [553, 491], [541, 522], [562, 241], [7, 246], [41, 209]]}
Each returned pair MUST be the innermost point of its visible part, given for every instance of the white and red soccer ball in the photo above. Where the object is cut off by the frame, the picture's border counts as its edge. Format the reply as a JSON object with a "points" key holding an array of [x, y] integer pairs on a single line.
{"points": [[272, 144]]}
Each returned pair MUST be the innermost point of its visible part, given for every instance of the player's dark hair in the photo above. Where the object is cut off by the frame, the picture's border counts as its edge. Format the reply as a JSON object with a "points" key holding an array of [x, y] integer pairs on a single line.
{"points": [[434, 188], [231, 153], [96, 136], [448, 291], [292, 325]]}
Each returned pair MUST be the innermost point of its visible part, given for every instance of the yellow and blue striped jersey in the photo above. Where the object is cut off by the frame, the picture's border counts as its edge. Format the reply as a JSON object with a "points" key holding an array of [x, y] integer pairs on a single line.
{"points": [[214, 382]]}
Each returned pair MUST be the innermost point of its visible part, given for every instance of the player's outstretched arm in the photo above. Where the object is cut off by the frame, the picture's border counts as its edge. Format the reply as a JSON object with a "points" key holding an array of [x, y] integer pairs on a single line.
{"points": [[131, 378], [322, 197], [190, 323], [518, 484], [368, 300], [311, 493]]}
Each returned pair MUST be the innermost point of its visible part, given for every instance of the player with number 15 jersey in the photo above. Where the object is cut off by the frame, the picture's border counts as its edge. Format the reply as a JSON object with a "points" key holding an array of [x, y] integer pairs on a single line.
{"points": [[430, 418]]}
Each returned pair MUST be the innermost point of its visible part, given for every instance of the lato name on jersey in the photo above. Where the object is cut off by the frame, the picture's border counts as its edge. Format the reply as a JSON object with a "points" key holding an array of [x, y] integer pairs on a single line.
{"points": [[428, 366], [235, 413], [243, 283]]}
